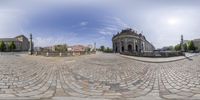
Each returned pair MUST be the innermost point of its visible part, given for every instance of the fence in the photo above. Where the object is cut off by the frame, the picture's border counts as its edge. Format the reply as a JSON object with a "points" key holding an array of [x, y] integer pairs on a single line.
{"points": [[63, 54]]}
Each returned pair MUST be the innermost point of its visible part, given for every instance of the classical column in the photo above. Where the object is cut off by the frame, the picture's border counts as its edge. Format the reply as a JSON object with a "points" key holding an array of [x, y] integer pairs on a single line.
{"points": [[114, 48], [126, 45], [134, 46], [120, 46], [30, 45]]}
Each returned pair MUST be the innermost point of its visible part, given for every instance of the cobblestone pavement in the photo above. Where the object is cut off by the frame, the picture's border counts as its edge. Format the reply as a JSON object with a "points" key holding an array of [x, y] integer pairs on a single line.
{"points": [[97, 77]]}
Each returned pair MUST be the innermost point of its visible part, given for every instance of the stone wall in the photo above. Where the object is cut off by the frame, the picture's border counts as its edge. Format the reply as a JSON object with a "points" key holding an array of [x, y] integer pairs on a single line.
{"points": [[157, 54]]}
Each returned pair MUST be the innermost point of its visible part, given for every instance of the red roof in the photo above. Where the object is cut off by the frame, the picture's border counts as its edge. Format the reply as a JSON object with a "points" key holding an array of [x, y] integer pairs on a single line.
{"points": [[78, 48]]}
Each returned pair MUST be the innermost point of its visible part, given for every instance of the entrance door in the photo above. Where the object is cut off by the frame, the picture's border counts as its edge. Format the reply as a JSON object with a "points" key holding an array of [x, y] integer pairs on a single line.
{"points": [[122, 48], [129, 48], [136, 47]]}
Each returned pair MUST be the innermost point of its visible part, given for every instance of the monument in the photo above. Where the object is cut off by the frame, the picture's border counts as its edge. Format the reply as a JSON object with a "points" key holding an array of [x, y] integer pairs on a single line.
{"points": [[181, 44], [95, 46]]}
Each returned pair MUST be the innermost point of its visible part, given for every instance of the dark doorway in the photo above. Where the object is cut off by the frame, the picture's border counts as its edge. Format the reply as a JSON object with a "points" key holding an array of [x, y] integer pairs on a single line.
{"points": [[136, 48], [122, 48], [116, 49], [129, 48]]}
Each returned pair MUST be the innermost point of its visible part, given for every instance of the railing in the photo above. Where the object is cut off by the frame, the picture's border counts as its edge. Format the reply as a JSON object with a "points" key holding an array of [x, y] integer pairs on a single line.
{"points": [[62, 54], [155, 53]]}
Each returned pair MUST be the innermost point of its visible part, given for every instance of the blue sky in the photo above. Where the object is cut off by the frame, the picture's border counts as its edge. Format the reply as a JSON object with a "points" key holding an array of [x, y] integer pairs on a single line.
{"points": [[88, 21]]}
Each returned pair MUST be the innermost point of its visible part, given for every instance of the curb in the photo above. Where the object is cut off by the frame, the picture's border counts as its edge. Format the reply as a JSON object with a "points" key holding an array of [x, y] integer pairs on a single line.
{"points": [[130, 57]]}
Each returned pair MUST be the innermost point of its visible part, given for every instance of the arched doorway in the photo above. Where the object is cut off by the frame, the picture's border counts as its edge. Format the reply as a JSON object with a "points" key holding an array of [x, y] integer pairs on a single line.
{"points": [[136, 48], [129, 48], [122, 48], [116, 49]]}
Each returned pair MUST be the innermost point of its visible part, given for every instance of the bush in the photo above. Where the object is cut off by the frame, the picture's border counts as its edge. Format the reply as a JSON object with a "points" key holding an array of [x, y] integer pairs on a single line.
{"points": [[2, 46], [12, 46], [191, 46]]}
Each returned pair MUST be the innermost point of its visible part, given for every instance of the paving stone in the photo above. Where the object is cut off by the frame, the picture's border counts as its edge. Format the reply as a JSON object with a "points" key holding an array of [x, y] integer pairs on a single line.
{"points": [[102, 76]]}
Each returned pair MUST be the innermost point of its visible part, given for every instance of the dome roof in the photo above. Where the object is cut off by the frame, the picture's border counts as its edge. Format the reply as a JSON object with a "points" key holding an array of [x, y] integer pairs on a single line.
{"points": [[129, 31]]}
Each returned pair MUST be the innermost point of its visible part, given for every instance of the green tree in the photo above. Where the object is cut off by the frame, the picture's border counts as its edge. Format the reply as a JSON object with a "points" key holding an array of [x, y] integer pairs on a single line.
{"points": [[191, 46], [2, 46], [185, 47], [102, 48], [178, 47], [61, 48], [12, 46], [171, 48], [108, 50], [88, 49]]}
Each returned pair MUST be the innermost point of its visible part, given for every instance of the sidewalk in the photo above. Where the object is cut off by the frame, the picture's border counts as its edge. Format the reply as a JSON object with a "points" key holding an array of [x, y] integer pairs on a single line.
{"points": [[161, 60]]}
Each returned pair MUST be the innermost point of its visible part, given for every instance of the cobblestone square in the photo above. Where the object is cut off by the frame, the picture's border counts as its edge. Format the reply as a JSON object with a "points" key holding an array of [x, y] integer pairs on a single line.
{"points": [[97, 77]]}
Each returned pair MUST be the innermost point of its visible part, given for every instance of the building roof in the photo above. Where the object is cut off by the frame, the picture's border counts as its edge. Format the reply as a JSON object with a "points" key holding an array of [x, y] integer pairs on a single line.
{"points": [[129, 31], [196, 39], [22, 36], [78, 48], [8, 39], [12, 39]]}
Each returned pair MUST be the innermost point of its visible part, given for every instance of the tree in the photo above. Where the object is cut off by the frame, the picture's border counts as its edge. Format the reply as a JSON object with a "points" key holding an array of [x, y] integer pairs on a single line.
{"points": [[108, 50], [61, 48], [102, 48], [12, 46], [88, 49], [185, 47], [191, 46], [168, 48], [2, 46], [178, 47]]}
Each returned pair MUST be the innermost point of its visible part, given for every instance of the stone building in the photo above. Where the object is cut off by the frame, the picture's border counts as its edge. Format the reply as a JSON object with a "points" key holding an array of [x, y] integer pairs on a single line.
{"points": [[129, 41], [21, 42]]}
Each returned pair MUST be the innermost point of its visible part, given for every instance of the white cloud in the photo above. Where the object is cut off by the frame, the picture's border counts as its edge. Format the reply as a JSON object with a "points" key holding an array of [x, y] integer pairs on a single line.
{"points": [[112, 25], [60, 38], [106, 33], [84, 23], [11, 22]]}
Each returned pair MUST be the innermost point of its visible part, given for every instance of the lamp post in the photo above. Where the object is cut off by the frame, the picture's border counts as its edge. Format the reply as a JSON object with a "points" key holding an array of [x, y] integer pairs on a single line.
{"points": [[30, 45]]}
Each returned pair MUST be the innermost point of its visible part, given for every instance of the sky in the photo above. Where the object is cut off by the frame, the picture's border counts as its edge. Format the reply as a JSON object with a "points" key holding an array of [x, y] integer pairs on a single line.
{"points": [[85, 22]]}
